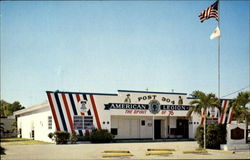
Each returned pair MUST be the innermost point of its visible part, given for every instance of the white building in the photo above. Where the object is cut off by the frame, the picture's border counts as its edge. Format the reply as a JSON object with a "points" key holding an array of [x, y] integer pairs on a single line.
{"points": [[128, 115]]}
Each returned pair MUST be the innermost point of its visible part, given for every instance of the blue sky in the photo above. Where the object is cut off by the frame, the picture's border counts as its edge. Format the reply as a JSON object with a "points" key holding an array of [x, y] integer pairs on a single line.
{"points": [[104, 46]]}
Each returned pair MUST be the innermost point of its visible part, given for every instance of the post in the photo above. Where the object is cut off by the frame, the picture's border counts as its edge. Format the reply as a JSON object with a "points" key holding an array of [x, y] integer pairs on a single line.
{"points": [[219, 68], [153, 127], [246, 129], [204, 136], [219, 54]]}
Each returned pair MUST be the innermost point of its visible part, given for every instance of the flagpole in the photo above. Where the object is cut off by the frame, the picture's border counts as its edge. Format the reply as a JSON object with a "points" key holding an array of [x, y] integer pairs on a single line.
{"points": [[219, 54]]}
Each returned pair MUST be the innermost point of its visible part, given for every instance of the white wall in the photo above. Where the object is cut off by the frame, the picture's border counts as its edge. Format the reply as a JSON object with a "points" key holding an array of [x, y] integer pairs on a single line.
{"points": [[195, 122], [37, 120], [129, 127]]}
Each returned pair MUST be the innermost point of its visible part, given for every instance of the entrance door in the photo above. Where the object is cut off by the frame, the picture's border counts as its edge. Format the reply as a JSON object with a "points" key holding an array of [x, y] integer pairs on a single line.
{"points": [[157, 129], [182, 127]]}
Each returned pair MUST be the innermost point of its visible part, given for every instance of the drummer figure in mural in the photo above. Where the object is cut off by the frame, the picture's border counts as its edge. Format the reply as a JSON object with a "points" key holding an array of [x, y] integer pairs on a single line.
{"points": [[127, 99], [180, 101]]}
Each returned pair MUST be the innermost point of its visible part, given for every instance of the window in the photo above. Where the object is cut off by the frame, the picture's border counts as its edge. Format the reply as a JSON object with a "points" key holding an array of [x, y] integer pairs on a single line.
{"points": [[114, 131], [20, 133], [78, 122], [32, 134], [142, 122], [49, 122]]}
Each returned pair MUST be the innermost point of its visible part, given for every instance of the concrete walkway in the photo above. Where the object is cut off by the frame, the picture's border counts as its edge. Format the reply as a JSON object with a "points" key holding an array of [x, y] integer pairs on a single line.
{"points": [[95, 151]]}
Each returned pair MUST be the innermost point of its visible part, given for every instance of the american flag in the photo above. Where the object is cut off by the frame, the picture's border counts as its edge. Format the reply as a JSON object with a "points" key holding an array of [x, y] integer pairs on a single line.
{"points": [[210, 12]]}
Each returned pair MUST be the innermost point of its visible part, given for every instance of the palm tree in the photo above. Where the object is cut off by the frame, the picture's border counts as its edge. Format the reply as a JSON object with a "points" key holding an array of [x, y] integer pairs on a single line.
{"points": [[240, 110], [202, 102]]}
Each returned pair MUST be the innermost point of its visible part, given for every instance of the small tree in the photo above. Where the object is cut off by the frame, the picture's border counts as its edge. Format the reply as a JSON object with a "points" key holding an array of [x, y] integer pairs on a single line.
{"points": [[202, 102], [240, 110], [7, 109]]}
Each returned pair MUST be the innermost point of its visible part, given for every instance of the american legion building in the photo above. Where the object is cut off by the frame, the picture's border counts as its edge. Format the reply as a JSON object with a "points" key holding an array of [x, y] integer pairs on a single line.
{"points": [[127, 114]]}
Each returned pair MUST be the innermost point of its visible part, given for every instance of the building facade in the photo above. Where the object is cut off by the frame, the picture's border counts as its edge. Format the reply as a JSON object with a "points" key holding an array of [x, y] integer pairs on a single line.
{"points": [[127, 114]]}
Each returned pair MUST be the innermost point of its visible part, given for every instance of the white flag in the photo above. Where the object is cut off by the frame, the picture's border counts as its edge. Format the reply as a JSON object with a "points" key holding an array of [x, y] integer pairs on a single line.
{"points": [[216, 33]]}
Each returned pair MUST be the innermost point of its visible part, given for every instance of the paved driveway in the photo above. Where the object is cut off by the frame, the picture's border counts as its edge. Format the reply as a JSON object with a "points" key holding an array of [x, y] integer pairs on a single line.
{"points": [[95, 151]]}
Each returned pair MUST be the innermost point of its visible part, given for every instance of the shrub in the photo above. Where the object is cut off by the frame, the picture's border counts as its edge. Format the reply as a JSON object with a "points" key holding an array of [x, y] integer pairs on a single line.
{"points": [[101, 136], [2, 150], [73, 138], [61, 137], [215, 135], [51, 135]]}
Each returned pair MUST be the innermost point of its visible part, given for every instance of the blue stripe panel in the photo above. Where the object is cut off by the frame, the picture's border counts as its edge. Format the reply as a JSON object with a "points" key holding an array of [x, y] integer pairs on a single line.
{"points": [[61, 112], [84, 96], [74, 109], [72, 104]]}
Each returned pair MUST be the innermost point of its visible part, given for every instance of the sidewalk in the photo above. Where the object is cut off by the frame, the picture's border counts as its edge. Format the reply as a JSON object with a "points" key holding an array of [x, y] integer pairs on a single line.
{"points": [[95, 151]]}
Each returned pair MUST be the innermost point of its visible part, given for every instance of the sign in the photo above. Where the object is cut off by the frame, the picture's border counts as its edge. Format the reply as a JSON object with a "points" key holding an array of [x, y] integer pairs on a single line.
{"points": [[144, 106], [237, 133], [88, 122], [211, 120], [154, 106], [78, 122], [162, 99]]}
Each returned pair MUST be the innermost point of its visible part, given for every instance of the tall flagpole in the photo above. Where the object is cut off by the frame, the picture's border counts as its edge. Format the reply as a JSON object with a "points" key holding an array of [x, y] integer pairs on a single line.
{"points": [[219, 53]]}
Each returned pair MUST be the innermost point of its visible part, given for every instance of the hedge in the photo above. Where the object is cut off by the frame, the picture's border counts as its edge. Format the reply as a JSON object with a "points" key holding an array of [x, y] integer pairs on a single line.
{"points": [[215, 135], [101, 136]]}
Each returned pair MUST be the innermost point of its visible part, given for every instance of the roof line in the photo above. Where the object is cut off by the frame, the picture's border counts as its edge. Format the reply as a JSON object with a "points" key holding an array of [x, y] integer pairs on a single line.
{"points": [[152, 92], [101, 94], [111, 94], [32, 108]]}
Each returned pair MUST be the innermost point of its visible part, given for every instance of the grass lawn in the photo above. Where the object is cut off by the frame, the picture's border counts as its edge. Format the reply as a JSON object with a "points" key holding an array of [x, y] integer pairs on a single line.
{"points": [[20, 141]]}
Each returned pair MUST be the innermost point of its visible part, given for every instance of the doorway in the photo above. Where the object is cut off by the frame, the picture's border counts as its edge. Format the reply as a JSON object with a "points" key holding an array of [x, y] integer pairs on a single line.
{"points": [[157, 129], [182, 127]]}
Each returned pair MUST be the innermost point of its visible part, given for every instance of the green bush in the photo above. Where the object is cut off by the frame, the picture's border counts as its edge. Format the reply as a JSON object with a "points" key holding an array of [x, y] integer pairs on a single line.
{"points": [[2, 150], [73, 138], [215, 135], [101, 136], [61, 137], [51, 135]]}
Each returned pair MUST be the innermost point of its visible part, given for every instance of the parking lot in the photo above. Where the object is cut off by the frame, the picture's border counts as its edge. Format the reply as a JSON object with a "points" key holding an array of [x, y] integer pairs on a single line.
{"points": [[96, 151]]}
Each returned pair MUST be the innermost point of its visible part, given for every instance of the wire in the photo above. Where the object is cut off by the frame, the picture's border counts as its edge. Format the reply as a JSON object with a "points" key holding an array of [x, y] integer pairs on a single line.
{"points": [[235, 91]]}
